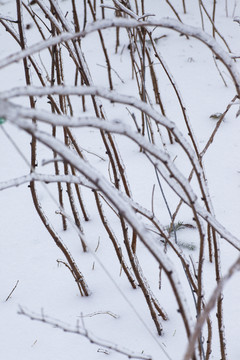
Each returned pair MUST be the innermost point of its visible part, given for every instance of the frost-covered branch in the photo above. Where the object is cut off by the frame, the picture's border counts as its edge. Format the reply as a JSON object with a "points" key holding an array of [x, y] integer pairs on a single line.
{"points": [[171, 174], [123, 99], [46, 179], [124, 209], [82, 331], [175, 25]]}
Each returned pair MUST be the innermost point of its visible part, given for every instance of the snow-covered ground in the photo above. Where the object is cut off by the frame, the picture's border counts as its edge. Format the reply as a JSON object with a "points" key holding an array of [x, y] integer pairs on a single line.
{"points": [[114, 312]]}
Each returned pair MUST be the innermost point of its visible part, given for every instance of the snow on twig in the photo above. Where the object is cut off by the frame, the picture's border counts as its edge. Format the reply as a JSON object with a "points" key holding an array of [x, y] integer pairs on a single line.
{"points": [[129, 100], [46, 179], [113, 195], [14, 111], [208, 307], [82, 331], [175, 25]]}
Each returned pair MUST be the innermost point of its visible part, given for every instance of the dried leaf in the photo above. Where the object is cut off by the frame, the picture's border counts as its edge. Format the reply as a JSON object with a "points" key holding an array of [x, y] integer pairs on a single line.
{"points": [[215, 116]]}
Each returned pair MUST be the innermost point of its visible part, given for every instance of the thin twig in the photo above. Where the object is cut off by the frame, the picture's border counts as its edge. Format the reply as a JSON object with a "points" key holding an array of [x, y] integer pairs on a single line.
{"points": [[12, 291]]}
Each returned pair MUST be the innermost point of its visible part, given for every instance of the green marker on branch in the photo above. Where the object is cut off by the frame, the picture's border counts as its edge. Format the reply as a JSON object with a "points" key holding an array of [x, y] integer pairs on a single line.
{"points": [[2, 120]]}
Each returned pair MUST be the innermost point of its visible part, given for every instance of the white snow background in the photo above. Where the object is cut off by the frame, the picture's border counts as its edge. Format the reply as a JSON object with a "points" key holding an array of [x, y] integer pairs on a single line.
{"points": [[28, 255]]}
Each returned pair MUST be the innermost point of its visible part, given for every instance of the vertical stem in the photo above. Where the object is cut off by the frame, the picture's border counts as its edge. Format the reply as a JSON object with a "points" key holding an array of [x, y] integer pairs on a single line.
{"points": [[75, 17], [103, 11], [142, 7], [56, 167], [76, 273], [115, 243], [103, 47], [184, 7], [226, 7], [201, 13], [85, 13], [77, 188], [213, 17], [219, 313]]}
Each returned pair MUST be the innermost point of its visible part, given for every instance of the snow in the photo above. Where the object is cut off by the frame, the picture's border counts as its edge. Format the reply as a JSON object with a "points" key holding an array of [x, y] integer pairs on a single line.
{"points": [[115, 317]]}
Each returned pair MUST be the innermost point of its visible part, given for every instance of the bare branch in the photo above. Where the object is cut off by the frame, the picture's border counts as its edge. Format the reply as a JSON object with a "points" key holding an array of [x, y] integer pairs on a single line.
{"points": [[209, 306], [82, 331], [46, 179], [12, 291]]}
